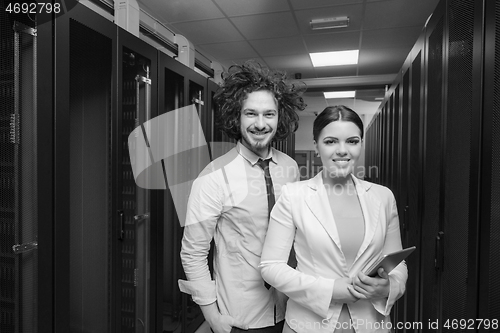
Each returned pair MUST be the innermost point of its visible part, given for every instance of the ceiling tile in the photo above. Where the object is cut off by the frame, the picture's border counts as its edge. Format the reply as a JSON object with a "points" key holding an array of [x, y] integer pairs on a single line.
{"points": [[207, 32], [279, 46], [289, 63], [227, 63], [301, 4], [245, 7], [332, 41], [382, 38], [230, 50], [305, 72], [382, 61], [182, 10], [232, 31], [272, 25], [354, 12], [292, 66], [403, 13]]}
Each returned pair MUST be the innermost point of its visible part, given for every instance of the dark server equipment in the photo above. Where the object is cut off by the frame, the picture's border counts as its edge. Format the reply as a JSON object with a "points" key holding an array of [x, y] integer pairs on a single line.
{"points": [[180, 88], [433, 142], [83, 114], [18, 173], [136, 207], [83, 248], [488, 208]]}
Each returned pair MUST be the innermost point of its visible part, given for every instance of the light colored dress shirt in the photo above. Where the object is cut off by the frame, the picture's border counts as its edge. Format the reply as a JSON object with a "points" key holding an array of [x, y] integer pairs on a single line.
{"points": [[302, 217], [228, 203]]}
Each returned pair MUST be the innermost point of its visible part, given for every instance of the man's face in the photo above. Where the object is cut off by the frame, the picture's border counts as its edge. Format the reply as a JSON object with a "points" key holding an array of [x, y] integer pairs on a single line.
{"points": [[259, 121]]}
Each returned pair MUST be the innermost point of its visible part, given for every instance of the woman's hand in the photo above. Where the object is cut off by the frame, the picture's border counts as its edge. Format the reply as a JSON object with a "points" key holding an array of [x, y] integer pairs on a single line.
{"points": [[371, 287], [342, 291]]}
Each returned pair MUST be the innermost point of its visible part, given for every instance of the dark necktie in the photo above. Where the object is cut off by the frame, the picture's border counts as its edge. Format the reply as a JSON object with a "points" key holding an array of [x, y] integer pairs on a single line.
{"points": [[264, 164]]}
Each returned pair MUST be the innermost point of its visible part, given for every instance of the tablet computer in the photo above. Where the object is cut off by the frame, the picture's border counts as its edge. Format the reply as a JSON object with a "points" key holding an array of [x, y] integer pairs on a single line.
{"points": [[389, 261]]}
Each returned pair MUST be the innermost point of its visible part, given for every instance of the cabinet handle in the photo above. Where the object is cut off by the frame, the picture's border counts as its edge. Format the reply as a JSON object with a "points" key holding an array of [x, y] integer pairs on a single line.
{"points": [[26, 247], [439, 255], [121, 234], [141, 217]]}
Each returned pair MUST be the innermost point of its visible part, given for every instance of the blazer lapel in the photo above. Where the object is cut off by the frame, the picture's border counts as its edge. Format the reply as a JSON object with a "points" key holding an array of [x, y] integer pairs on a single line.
{"points": [[317, 201], [370, 205]]}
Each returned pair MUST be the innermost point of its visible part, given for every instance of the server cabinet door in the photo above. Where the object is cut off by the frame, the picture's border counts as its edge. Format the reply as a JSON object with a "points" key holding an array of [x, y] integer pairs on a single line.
{"points": [[413, 209], [170, 305], [488, 298], [84, 44], [432, 239], [457, 162], [18, 175], [141, 221], [187, 131], [136, 216]]}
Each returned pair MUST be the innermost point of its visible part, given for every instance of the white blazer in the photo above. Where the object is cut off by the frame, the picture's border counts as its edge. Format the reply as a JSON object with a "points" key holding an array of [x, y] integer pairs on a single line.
{"points": [[303, 216]]}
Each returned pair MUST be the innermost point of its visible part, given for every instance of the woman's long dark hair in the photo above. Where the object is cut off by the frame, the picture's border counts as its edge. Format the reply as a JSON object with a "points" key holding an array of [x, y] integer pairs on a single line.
{"points": [[240, 80]]}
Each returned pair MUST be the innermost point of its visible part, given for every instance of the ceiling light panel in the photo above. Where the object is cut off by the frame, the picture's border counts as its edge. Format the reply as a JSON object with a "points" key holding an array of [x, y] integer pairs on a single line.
{"points": [[339, 94], [336, 58]]}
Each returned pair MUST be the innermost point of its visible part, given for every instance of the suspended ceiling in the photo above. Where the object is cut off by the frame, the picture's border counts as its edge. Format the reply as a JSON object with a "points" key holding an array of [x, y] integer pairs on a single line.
{"points": [[277, 33]]}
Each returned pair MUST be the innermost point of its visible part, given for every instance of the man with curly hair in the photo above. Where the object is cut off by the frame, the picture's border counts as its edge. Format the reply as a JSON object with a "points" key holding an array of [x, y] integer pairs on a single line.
{"points": [[230, 202]]}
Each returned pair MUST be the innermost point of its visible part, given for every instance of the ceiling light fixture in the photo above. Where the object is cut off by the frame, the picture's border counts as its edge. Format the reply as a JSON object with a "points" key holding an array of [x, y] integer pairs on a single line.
{"points": [[336, 58], [339, 94], [330, 23]]}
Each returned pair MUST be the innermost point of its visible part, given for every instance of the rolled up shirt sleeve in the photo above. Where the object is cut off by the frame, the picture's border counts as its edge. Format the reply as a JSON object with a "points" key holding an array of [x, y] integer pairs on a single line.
{"points": [[203, 210], [202, 291]]}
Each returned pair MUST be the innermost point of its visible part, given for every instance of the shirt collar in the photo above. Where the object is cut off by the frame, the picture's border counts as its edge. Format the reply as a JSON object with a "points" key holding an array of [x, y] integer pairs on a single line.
{"points": [[250, 156]]}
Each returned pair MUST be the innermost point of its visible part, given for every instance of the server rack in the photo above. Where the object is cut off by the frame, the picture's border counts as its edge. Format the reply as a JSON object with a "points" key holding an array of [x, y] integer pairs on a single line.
{"points": [[486, 203], [444, 126], [431, 222], [19, 173], [98, 265], [83, 113], [95, 251], [180, 87]]}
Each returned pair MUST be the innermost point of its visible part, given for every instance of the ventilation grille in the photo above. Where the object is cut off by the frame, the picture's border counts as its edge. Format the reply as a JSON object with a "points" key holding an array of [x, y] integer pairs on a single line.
{"points": [[457, 158], [432, 171], [494, 283]]}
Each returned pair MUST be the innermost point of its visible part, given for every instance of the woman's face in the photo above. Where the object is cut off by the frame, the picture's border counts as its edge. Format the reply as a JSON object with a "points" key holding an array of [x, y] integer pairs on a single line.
{"points": [[339, 147]]}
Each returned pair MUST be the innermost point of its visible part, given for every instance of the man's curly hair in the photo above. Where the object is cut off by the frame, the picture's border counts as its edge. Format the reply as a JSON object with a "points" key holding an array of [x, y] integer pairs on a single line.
{"points": [[240, 80]]}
